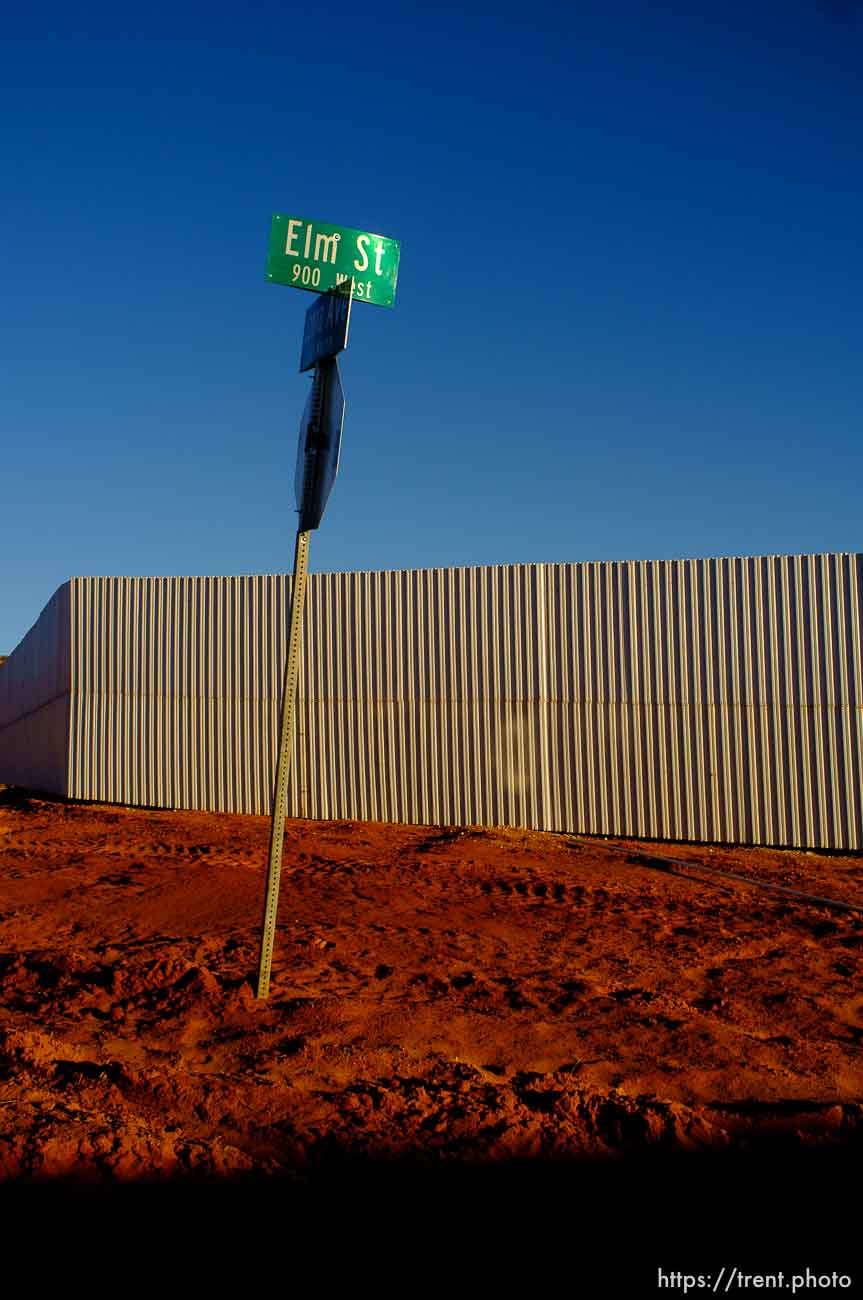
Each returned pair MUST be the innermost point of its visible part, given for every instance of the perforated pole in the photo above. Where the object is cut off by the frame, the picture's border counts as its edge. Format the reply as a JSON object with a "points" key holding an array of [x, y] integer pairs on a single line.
{"points": [[280, 795]]}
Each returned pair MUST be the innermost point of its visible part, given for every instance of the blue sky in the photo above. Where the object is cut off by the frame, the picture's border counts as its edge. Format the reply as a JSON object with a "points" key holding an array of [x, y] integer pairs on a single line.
{"points": [[628, 321]]}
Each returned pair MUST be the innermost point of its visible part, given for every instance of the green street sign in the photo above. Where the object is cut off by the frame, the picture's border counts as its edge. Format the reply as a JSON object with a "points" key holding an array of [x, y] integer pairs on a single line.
{"points": [[312, 255]]}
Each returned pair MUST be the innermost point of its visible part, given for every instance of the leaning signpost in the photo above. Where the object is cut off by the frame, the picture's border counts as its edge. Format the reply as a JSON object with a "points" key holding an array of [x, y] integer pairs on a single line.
{"points": [[341, 265]]}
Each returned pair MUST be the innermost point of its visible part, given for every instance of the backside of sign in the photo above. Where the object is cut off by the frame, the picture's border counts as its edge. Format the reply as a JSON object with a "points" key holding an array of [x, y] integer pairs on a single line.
{"points": [[327, 323], [320, 444]]}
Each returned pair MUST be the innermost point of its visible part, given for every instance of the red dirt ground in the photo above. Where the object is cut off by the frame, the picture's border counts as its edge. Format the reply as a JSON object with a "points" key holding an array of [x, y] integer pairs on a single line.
{"points": [[442, 1000]]}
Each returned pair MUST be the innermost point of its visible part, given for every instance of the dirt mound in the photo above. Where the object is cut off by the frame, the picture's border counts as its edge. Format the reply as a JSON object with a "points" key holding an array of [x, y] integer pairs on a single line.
{"points": [[448, 997]]}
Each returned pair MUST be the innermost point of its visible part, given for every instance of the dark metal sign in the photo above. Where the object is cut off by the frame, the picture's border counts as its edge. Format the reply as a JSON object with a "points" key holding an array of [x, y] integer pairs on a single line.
{"points": [[320, 443], [327, 322]]}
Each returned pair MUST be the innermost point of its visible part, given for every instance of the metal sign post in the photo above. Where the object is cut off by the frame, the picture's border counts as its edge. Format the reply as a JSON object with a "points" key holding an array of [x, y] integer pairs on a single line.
{"points": [[311, 255], [317, 467], [280, 797]]}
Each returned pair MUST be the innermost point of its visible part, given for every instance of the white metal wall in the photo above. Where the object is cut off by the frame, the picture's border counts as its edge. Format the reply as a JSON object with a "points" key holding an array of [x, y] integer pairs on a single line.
{"points": [[704, 699], [709, 699], [410, 709]]}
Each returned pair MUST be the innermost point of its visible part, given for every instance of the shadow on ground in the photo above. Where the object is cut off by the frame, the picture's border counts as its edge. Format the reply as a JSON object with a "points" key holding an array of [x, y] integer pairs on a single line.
{"points": [[603, 1222]]}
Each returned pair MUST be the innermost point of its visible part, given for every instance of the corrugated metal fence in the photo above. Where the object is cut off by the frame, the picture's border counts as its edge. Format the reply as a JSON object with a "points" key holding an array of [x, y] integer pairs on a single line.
{"points": [[703, 699]]}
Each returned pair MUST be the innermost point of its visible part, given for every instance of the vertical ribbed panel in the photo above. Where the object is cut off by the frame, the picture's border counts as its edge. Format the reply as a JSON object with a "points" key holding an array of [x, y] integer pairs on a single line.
{"points": [[419, 695], [702, 699], [708, 699], [177, 683]]}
